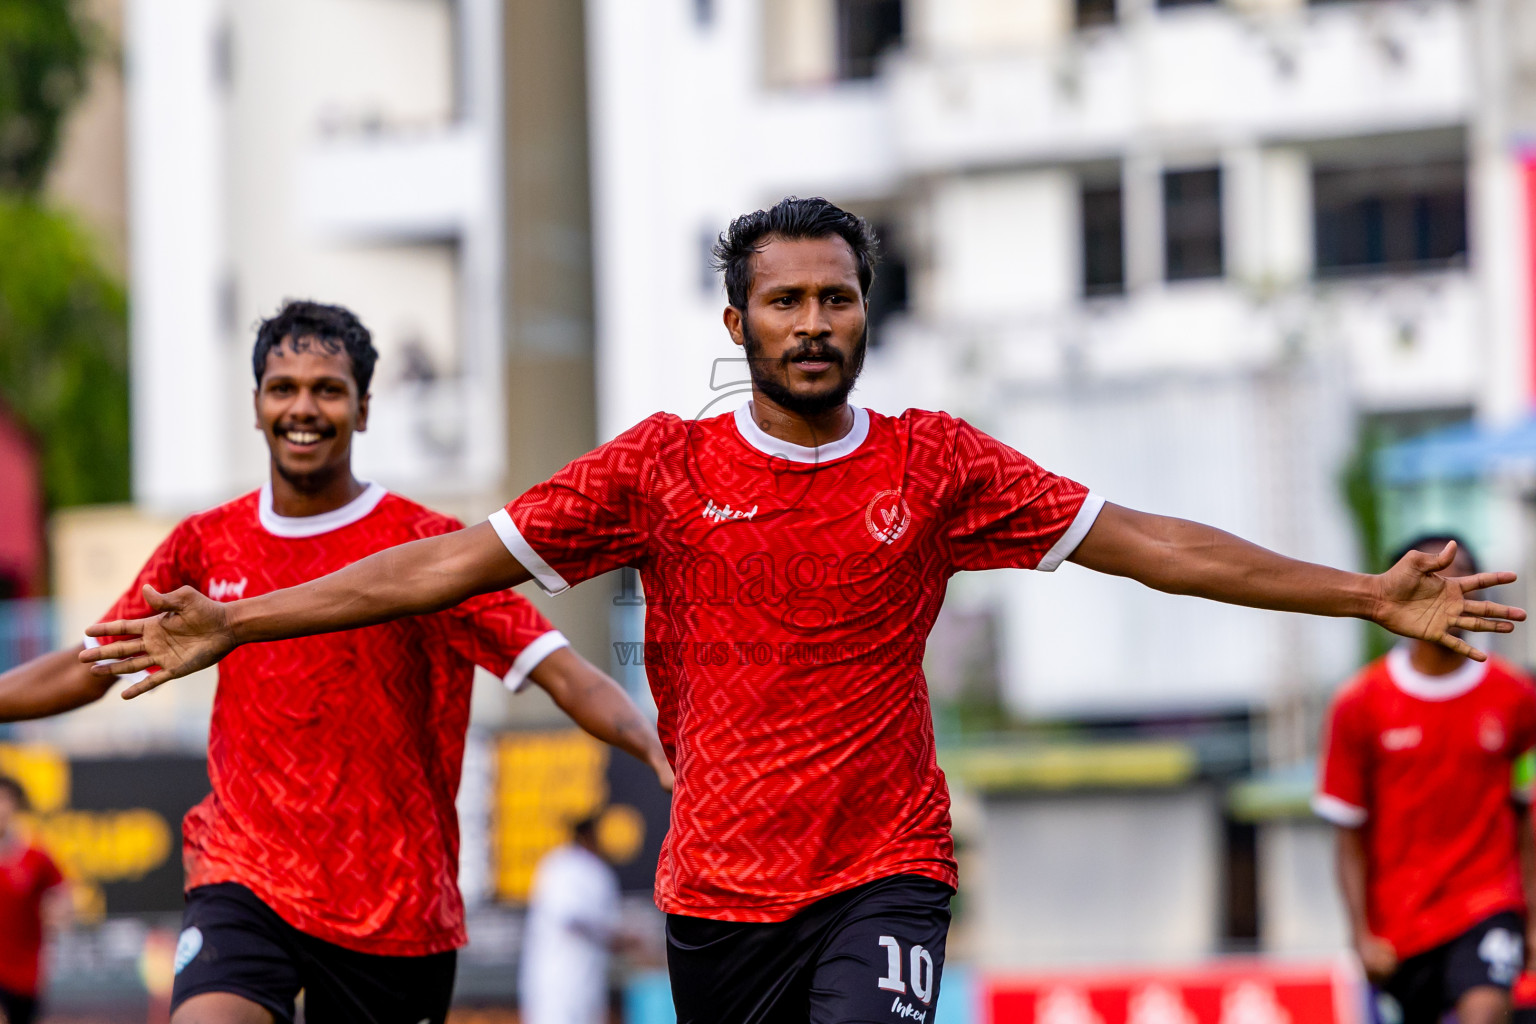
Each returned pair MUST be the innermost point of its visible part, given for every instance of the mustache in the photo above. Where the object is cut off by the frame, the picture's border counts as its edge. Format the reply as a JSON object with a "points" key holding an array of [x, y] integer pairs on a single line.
{"points": [[816, 351]]}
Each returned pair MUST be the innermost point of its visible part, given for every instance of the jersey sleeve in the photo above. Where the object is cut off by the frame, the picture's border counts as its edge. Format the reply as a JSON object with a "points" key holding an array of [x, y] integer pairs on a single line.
{"points": [[1009, 513], [504, 634], [588, 518], [166, 570], [48, 874], [1343, 789]]}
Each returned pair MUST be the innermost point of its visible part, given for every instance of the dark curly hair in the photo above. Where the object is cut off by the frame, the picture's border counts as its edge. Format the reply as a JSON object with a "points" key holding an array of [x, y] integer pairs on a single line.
{"points": [[333, 328], [791, 218]]}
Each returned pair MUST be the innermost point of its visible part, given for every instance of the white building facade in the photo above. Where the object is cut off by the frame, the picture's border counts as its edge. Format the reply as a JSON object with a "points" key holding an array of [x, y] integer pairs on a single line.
{"points": [[343, 150]]}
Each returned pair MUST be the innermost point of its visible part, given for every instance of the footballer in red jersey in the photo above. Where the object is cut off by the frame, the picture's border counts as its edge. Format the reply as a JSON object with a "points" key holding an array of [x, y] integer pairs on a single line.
{"points": [[794, 555], [1436, 856], [326, 857]]}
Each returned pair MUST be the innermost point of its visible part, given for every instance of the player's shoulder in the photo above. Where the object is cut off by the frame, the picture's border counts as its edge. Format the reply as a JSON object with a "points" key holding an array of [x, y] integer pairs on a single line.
{"points": [[412, 518], [1369, 684], [659, 426], [236, 513], [1510, 677]]}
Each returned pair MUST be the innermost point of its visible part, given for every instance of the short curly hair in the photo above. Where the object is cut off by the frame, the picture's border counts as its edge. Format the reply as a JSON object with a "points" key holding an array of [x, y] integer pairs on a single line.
{"points": [[791, 218], [333, 328]]}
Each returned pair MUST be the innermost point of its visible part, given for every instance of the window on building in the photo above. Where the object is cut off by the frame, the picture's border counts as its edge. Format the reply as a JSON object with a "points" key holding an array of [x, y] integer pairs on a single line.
{"points": [[1165, 4], [866, 30], [1192, 224], [1103, 214], [1390, 217], [1088, 13]]}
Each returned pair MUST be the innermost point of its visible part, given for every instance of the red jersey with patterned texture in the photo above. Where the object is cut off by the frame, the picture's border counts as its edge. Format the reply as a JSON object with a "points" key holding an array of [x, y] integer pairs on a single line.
{"points": [[26, 875], [1425, 765], [335, 759], [789, 594]]}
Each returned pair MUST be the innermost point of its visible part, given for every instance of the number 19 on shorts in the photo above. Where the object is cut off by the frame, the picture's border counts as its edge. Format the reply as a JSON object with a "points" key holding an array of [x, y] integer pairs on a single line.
{"points": [[921, 976]]}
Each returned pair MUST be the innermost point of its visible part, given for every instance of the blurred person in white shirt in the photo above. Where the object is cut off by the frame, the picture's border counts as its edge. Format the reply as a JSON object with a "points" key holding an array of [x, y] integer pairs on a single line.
{"points": [[572, 928]]}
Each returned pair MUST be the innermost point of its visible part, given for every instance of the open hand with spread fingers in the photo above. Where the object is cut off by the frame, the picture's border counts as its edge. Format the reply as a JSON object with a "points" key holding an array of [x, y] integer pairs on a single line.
{"points": [[1415, 600], [190, 632]]}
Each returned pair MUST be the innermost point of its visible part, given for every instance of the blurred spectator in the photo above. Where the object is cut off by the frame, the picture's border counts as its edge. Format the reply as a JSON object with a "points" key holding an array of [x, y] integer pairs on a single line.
{"points": [[32, 895], [573, 926]]}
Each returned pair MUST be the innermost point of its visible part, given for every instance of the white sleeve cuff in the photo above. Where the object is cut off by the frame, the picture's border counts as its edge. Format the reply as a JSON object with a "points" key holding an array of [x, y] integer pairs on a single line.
{"points": [[517, 676], [131, 678], [1340, 812], [1068, 542], [549, 581]]}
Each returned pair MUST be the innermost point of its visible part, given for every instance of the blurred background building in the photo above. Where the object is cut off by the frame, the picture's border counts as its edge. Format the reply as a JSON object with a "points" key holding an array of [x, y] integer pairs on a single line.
{"points": [[1261, 263]]}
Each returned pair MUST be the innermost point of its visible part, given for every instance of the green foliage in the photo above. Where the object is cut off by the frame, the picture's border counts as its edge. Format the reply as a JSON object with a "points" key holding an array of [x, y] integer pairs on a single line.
{"points": [[43, 59], [64, 353], [1363, 495]]}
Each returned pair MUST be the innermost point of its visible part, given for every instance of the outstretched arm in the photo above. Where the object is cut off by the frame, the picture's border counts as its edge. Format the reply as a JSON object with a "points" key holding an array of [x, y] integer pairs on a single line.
{"points": [[601, 707], [50, 684], [1180, 557], [191, 632]]}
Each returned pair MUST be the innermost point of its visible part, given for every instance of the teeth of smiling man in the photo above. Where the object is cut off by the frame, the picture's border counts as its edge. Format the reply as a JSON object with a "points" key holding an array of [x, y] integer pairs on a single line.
{"points": [[302, 436]]}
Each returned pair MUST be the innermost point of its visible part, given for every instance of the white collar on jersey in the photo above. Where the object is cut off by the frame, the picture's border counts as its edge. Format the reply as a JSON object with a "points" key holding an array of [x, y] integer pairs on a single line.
{"points": [[325, 522], [1425, 687], [766, 443]]}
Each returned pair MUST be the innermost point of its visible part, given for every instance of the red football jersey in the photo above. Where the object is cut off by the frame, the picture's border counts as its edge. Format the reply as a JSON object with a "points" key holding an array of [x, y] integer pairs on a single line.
{"points": [[1425, 764], [26, 875], [335, 759], [790, 593]]}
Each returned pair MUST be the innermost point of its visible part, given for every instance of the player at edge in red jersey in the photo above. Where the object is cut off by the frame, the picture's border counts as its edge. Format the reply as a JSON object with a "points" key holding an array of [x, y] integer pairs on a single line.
{"points": [[326, 857], [1436, 857], [34, 900], [794, 555]]}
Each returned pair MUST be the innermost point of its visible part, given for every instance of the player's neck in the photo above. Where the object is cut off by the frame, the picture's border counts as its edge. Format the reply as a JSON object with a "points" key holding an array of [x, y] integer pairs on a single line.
{"points": [[1433, 659], [807, 431], [297, 499]]}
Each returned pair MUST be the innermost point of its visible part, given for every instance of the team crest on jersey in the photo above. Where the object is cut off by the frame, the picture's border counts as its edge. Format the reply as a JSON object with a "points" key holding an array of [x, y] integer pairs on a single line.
{"points": [[1490, 733], [887, 517]]}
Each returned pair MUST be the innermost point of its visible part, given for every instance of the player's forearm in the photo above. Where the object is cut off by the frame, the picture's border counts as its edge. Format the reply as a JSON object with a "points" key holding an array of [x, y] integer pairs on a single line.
{"points": [[413, 579], [50, 684], [598, 705], [1177, 556], [1349, 862]]}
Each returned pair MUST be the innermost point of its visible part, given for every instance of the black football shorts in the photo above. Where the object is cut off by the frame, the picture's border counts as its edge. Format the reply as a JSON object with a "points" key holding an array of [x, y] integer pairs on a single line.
{"points": [[1428, 985], [233, 942], [870, 955]]}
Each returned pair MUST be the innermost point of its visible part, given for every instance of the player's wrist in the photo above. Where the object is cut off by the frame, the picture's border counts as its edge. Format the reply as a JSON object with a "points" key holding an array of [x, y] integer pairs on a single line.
{"points": [[238, 622], [1369, 597]]}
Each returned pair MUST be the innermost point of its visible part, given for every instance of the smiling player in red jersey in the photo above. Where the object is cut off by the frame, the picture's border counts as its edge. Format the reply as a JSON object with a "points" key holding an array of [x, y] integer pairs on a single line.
{"points": [[1436, 856], [326, 857], [794, 555]]}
